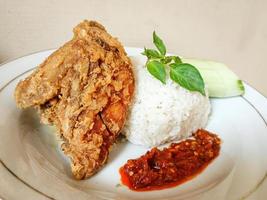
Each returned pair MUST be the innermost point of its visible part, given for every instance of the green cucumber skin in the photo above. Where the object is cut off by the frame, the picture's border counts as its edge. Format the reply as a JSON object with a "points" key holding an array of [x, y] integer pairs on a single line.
{"points": [[219, 79]]}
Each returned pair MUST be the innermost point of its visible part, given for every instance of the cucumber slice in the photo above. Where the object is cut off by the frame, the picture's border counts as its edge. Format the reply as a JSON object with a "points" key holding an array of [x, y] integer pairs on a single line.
{"points": [[219, 79]]}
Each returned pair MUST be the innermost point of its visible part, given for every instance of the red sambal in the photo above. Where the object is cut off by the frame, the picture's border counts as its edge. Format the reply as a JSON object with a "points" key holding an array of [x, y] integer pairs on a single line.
{"points": [[160, 169]]}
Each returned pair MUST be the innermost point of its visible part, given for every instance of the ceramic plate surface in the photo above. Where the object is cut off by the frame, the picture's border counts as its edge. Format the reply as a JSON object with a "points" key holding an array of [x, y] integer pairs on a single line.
{"points": [[32, 165]]}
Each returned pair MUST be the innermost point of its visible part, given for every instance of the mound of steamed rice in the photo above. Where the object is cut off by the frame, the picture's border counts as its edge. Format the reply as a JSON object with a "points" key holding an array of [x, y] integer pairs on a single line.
{"points": [[162, 113]]}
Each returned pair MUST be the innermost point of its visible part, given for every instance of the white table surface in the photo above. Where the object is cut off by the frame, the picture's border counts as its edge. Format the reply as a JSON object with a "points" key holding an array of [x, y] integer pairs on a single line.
{"points": [[233, 32]]}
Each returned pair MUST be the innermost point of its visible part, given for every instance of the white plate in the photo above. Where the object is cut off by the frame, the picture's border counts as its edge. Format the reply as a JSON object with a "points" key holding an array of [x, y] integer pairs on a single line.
{"points": [[33, 167]]}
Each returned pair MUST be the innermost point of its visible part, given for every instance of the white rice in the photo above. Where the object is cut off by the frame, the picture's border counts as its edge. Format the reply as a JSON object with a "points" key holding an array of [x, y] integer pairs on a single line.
{"points": [[162, 113]]}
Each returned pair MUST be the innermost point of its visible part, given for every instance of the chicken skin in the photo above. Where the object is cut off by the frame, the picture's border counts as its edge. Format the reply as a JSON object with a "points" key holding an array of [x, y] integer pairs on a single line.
{"points": [[85, 89]]}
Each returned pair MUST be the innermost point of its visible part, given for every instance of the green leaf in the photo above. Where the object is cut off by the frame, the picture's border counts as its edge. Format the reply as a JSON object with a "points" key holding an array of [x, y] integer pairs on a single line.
{"points": [[187, 76], [166, 60], [159, 44], [151, 53], [157, 69], [176, 59]]}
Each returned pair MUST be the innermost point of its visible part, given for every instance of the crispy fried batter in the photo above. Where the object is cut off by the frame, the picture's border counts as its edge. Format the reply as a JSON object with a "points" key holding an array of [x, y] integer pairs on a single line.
{"points": [[84, 89]]}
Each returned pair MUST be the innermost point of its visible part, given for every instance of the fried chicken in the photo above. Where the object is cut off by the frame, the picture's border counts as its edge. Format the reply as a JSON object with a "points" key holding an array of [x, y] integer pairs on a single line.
{"points": [[85, 89]]}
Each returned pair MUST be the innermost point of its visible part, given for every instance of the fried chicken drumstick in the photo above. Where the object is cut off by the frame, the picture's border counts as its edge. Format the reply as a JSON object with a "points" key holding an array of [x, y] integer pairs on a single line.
{"points": [[84, 89]]}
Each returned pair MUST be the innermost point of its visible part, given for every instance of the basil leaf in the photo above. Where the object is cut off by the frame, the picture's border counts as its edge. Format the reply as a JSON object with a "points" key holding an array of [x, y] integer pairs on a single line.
{"points": [[176, 59], [157, 69], [166, 60], [151, 53], [159, 44], [187, 76]]}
